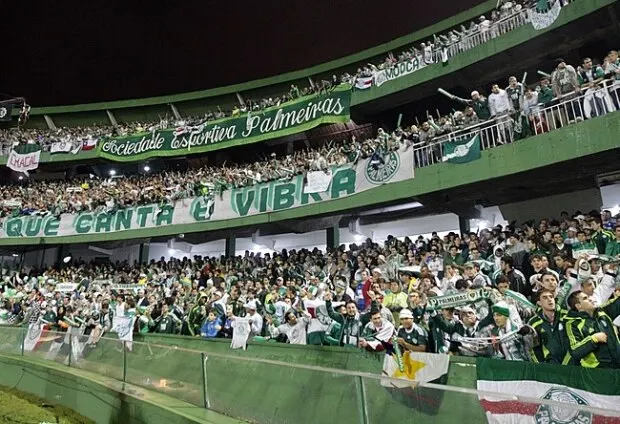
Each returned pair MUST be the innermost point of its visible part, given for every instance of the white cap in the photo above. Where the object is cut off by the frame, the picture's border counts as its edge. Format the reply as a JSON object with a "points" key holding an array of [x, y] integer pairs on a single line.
{"points": [[250, 305], [405, 313], [474, 93]]}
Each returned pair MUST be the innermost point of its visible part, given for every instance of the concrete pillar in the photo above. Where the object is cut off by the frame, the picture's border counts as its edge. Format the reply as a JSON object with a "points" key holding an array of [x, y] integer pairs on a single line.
{"points": [[231, 246], [50, 122], [240, 99], [332, 237], [175, 111], [143, 256], [464, 226], [111, 117]]}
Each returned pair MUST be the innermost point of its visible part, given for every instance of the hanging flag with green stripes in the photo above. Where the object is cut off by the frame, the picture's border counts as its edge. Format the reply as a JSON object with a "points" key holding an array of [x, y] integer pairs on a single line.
{"points": [[462, 150]]}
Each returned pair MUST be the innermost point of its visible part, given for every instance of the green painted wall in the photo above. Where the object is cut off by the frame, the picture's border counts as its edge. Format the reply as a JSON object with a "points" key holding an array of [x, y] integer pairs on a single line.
{"points": [[578, 140], [92, 396], [267, 393]]}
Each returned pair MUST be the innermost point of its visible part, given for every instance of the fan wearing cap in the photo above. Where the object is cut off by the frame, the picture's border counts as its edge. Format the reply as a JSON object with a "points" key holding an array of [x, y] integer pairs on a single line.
{"points": [[467, 326], [411, 336], [514, 348], [256, 320], [344, 292], [479, 103], [474, 277]]}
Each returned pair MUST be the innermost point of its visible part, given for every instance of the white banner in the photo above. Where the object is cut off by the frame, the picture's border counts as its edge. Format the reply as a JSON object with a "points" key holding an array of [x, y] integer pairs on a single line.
{"points": [[241, 333], [261, 198], [35, 330], [125, 286], [123, 326], [317, 181], [66, 287], [23, 162], [541, 20], [61, 147], [362, 83], [399, 70]]}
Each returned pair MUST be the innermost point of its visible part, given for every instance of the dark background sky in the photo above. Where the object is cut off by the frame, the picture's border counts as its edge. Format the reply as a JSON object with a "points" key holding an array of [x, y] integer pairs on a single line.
{"points": [[69, 52]]}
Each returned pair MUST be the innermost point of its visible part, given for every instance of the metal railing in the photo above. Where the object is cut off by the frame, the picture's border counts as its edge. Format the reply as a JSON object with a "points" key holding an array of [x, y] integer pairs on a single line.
{"points": [[262, 390], [599, 100]]}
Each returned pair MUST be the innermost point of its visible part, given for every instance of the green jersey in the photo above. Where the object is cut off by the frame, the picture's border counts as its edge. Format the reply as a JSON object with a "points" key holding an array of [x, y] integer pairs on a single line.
{"points": [[416, 335]]}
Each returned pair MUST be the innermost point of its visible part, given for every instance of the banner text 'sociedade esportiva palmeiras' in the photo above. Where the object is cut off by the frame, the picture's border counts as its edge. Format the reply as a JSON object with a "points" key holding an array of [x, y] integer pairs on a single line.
{"points": [[235, 203], [290, 118]]}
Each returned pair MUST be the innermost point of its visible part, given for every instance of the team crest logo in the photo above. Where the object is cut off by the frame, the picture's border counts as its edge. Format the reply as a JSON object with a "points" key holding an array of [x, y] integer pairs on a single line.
{"points": [[3, 112], [381, 168], [547, 414]]}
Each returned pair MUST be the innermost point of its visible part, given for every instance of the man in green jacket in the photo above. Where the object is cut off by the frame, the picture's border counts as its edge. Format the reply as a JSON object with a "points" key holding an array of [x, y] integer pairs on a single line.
{"points": [[600, 236], [352, 322], [591, 332], [613, 246], [552, 344]]}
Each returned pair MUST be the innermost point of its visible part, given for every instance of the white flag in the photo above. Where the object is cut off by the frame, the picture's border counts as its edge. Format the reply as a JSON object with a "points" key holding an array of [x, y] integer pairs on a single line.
{"points": [[241, 333]]}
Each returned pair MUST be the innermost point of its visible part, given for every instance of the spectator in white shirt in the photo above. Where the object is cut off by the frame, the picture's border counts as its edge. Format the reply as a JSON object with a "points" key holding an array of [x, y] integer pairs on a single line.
{"points": [[499, 102]]}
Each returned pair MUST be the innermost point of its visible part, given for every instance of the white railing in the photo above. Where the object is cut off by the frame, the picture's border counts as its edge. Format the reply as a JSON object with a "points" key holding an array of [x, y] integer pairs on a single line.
{"points": [[597, 101], [482, 35]]}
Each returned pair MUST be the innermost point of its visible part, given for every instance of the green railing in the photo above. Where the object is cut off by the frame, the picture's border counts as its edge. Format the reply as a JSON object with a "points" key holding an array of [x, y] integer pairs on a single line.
{"points": [[255, 389]]}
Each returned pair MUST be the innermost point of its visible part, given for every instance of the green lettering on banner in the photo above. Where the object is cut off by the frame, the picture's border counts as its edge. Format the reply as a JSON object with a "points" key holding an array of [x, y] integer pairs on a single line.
{"points": [[305, 197], [103, 222], [143, 213], [343, 182], [122, 220], [202, 208], [283, 196], [14, 227], [51, 227], [239, 202], [278, 121], [244, 200], [264, 199], [164, 216], [33, 226], [83, 223]]}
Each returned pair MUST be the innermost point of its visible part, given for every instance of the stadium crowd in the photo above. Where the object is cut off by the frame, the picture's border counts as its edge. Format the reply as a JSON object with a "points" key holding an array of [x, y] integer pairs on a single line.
{"points": [[545, 292], [45, 197], [507, 17], [560, 99]]}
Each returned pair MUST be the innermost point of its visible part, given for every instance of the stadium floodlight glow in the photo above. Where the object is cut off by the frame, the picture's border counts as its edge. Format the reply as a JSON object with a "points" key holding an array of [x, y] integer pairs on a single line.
{"points": [[21, 177], [112, 172], [147, 168]]}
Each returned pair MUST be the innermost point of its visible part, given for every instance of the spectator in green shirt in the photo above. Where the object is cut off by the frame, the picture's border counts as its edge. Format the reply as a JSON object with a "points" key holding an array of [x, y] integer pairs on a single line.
{"points": [[613, 246]]}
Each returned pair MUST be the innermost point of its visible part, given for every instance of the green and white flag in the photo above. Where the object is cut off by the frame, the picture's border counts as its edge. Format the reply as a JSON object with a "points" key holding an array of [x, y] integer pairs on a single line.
{"points": [[574, 386], [462, 150], [545, 13]]}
